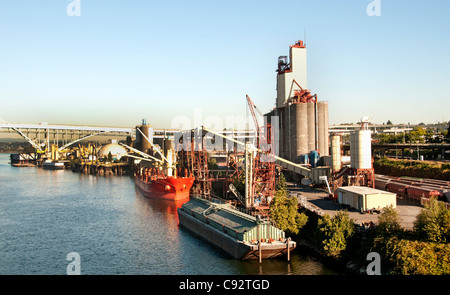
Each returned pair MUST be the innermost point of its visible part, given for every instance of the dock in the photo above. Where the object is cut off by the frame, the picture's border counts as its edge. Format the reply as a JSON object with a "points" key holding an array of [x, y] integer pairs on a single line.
{"points": [[101, 168]]}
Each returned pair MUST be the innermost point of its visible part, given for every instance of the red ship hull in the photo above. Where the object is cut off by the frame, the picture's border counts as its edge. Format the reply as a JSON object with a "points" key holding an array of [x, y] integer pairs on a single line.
{"points": [[168, 188]]}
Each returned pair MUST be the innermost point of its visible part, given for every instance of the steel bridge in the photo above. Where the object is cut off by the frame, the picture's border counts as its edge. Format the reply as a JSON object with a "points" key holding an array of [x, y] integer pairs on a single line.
{"points": [[42, 135], [377, 128]]}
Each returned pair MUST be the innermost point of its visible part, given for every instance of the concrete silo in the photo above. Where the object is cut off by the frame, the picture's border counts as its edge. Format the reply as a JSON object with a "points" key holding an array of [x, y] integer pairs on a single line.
{"points": [[336, 153], [322, 117], [142, 141], [361, 149], [311, 126], [304, 119]]}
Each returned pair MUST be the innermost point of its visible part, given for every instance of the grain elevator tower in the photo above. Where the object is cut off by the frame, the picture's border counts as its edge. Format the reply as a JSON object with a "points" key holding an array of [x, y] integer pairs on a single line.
{"points": [[294, 68], [303, 120]]}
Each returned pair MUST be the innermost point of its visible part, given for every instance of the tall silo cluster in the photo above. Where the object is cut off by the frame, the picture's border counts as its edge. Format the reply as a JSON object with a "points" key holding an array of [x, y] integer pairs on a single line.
{"points": [[303, 120], [304, 128]]}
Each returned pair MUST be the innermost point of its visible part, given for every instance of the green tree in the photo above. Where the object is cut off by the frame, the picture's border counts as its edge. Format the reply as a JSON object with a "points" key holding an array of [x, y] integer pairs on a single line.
{"points": [[281, 186], [239, 183], [284, 209], [433, 223], [110, 157], [212, 164], [406, 257], [388, 222], [418, 135], [447, 135], [333, 233]]}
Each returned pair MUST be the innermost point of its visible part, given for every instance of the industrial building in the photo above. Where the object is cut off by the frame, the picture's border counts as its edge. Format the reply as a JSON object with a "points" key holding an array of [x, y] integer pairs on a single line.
{"points": [[113, 148], [303, 120], [366, 199], [300, 120]]}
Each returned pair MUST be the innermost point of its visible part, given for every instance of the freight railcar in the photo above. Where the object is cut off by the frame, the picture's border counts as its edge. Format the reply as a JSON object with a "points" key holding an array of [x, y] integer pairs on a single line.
{"points": [[381, 183], [397, 187], [416, 193], [444, 192]]}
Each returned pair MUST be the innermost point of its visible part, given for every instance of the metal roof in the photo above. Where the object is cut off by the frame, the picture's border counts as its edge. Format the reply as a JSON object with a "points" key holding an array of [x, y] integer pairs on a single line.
{"points": [[363, 190]]}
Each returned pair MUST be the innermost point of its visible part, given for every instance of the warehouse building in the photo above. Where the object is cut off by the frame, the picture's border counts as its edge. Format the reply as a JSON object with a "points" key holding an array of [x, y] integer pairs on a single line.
{"points": [[365, 199]]}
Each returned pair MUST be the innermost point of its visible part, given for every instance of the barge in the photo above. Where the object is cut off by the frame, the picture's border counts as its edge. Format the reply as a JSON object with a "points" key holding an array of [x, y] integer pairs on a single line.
{"points": [[50, 165], [240, 235], [23, 160]]}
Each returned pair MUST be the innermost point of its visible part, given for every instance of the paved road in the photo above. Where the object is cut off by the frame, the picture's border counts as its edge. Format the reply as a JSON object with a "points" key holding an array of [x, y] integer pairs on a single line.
{"points": [[315, 197]]}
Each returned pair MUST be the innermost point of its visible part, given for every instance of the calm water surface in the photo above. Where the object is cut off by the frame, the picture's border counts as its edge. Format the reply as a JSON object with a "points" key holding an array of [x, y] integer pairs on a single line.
{"points": [[44, 215]]}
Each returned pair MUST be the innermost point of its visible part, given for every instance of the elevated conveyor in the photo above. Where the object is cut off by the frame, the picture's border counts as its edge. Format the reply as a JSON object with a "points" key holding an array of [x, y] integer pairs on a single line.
{"points": [[313, 174]]}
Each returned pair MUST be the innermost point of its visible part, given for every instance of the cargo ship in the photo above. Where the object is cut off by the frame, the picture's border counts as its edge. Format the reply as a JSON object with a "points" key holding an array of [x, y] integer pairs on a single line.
{"points": [[240, 235], [156, 175], [168, 188]]}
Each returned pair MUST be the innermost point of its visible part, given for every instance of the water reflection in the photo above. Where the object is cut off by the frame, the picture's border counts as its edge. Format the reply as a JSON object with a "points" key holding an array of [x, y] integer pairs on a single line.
{"points": [[168, 207], [46, 214]]}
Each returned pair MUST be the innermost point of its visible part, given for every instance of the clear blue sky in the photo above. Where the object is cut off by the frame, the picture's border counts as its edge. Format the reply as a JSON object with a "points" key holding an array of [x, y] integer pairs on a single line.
{"points": [[121, 61]]}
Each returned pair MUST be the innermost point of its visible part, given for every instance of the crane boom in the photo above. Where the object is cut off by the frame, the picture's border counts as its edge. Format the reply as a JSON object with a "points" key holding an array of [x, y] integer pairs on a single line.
{"points": [[141, 153], [252, 107], [272, 155], [154, 146]]}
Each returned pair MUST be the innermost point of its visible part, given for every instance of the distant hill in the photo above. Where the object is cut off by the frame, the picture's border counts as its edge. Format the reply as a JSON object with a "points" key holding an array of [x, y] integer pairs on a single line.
{"points": [[7, 140], [13, 146]]}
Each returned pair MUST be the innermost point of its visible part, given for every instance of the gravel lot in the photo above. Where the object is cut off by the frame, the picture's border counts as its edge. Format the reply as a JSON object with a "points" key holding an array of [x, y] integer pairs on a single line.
{"points": [[315, 197]]}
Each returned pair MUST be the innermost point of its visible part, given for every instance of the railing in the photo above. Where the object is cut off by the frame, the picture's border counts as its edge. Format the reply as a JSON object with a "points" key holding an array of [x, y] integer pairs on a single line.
{"points": [[302, 202]]}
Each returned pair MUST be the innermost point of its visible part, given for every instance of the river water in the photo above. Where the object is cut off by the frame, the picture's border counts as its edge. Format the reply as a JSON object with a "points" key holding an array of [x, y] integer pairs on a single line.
{"points": [[45, 215]]}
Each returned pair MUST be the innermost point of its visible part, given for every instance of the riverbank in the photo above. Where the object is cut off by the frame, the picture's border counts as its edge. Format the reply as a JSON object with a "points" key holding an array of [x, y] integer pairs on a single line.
{"points": [[309, 243], [343, 246]]}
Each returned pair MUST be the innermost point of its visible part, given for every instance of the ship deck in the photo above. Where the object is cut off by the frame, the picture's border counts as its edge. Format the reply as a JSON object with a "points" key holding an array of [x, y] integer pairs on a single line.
{"points": [[234, 220], [239, 234]]}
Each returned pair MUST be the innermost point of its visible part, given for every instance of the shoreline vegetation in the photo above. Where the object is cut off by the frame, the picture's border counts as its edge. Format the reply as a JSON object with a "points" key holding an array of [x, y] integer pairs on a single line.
{"points": [[339, 243], [412, 168]]}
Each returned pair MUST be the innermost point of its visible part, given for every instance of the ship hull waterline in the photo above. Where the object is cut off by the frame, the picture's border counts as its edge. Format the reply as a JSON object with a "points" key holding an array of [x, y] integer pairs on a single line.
{"points": [[169, 188], [233, 247]]}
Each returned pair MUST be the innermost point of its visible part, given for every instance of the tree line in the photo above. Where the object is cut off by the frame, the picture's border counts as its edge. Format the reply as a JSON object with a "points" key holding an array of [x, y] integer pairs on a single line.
{"points": [[424, 250]]}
